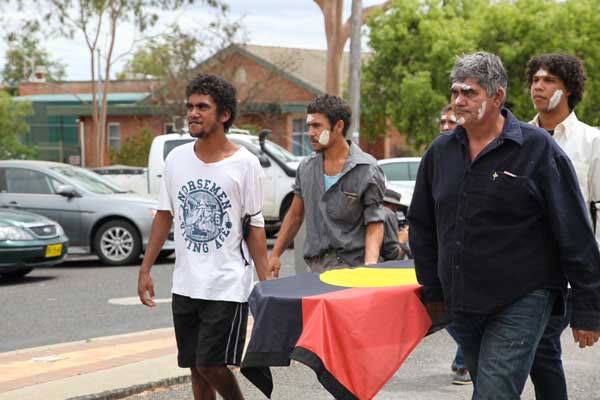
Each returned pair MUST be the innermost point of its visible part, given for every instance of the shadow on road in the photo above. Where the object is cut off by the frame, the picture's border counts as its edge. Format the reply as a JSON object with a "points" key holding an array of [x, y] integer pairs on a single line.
{"points": [[25, 280]]}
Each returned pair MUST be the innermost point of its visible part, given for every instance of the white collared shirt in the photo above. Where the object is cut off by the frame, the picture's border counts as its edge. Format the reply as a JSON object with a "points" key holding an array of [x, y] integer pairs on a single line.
{"points": [[581, 142]]}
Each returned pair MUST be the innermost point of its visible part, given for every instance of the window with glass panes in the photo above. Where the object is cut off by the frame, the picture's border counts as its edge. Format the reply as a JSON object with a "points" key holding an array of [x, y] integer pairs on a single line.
{"points": [[114, 136], [301, 141]]}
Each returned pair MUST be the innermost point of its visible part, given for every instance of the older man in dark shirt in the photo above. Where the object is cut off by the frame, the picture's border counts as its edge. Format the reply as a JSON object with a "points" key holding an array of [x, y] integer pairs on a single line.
{"points": [[498, 226], [340, 190]]}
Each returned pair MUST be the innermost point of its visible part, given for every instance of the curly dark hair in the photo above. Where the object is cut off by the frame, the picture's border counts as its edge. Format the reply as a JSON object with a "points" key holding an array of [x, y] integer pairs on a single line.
{"points": [[334, 108], [568, 68], [221, 91]]}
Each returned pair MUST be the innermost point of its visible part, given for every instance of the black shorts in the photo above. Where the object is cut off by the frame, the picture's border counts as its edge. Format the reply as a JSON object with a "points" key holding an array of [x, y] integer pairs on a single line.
{"points": [[209, 333]]}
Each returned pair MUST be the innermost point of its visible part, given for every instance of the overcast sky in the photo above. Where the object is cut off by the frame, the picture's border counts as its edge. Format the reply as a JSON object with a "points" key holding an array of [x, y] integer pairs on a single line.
{"points": [[289, 23]]}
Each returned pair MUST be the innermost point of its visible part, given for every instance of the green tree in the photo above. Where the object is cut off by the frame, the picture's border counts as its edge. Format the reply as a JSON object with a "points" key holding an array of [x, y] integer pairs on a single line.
{"points": [[134, 150], [98, 21], [13, 125], [24, 54], [406, 80], [416, 42], [173, 58]]}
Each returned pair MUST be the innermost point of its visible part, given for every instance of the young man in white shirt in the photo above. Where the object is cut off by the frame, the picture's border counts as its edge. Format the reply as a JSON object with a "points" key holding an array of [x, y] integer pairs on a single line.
{"points": [[208, 187], [557, 82]]}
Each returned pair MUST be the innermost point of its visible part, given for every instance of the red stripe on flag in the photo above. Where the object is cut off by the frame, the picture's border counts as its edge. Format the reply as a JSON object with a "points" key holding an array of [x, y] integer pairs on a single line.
{"points": [[363, 335]]}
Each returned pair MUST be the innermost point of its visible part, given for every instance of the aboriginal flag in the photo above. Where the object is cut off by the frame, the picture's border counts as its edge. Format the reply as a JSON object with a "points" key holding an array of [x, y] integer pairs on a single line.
{"points": [[354, 327]]}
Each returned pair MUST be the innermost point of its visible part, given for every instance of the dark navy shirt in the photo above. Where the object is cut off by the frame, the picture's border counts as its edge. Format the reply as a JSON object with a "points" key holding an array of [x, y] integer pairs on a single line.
{"points": [[486, 232]]}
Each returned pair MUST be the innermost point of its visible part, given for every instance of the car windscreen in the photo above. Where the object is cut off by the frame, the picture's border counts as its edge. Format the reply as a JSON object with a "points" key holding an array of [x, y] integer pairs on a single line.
{"points": [[277, 151], [171, 144], [88, 180]]}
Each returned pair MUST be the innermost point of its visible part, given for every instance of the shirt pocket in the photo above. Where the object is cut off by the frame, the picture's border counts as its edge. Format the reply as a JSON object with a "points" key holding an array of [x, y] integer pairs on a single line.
{"points": [[345, 206], [504, 194]]}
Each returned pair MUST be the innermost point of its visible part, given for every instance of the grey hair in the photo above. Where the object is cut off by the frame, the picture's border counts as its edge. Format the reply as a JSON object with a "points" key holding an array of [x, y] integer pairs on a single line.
{"points": [[487, 68]]}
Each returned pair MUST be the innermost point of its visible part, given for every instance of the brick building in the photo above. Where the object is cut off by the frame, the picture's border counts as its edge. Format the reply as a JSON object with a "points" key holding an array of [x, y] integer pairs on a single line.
{"points": [[274, 86]]}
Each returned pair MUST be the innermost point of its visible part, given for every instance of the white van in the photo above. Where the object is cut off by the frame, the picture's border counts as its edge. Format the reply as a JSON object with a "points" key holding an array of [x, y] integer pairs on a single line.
{"points": [[279, 165]]}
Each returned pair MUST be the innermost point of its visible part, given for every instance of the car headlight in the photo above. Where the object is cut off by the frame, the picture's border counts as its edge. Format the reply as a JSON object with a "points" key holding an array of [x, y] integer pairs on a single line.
{"points": [[13, 233], [59, 230]]}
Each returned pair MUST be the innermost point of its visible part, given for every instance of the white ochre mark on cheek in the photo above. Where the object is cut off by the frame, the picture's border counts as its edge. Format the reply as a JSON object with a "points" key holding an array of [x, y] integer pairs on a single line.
{"points": [[541, 73], [555, 99], [309, 118], [460, 120], [324, 138], [481, 111]]}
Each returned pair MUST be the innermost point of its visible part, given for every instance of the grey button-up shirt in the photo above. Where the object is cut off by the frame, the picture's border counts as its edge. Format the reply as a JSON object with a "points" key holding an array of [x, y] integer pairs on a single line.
{"points": [[337, 219]]}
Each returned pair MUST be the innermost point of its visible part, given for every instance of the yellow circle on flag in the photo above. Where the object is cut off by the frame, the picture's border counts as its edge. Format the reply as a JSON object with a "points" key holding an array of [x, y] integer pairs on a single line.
{"points": [[369, 277]]}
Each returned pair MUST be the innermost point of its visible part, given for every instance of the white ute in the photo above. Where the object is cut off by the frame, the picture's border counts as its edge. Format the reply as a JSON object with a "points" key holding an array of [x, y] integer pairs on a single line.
{"points": [[279, 166]]}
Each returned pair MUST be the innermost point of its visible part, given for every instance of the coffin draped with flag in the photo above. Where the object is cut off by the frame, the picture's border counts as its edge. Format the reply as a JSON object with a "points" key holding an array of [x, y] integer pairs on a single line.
{"points": [[353, 327]]}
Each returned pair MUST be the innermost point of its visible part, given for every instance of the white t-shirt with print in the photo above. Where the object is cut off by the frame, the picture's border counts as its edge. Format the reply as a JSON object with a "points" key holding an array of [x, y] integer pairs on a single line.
{"points": [[208, 201]]}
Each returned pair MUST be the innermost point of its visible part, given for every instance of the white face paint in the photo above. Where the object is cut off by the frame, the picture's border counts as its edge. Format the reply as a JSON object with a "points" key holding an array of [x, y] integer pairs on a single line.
{"points": [[460, 120], [460, 86], [309, 118], [541, 73], [555, 99], [481, 111], [324, 138]]}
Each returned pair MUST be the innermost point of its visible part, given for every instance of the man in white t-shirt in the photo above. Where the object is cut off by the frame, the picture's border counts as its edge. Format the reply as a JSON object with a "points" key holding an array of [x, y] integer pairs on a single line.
{"points": [[557, 82], [208, 188]]}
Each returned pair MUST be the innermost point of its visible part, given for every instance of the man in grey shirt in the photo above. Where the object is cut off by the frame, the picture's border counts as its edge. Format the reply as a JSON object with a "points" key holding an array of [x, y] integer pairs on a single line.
{"points": [[340, 190]]}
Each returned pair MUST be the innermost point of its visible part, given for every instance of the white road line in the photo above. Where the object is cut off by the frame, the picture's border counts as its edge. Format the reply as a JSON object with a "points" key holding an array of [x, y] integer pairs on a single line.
{"points": [[133, 301]]}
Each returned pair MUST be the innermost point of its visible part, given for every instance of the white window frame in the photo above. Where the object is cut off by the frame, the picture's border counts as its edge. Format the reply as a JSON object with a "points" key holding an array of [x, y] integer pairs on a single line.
{"points": [[110, 139], [302, 135]]}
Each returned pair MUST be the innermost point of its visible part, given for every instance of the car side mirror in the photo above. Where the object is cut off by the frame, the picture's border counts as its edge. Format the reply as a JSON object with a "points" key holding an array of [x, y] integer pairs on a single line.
{"points": [[67, 191], [262, 136], [264, 160]]}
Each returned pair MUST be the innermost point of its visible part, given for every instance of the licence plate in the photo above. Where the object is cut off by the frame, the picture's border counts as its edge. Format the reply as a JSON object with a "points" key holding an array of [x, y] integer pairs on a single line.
{"points": [[53, 250]]}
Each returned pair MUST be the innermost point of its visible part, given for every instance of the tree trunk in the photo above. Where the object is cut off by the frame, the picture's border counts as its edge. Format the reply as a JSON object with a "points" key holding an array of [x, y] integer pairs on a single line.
{"points": [[337, 33], [355, 64]]}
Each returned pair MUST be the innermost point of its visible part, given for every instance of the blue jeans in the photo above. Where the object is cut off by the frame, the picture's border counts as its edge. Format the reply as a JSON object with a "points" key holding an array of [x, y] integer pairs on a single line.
{"points": [[459, 360], [547, 372], [499, 348]]}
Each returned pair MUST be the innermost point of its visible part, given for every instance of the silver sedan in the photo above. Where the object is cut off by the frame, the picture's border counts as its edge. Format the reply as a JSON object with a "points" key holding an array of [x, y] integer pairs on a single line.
{"points": [[97, 216]]}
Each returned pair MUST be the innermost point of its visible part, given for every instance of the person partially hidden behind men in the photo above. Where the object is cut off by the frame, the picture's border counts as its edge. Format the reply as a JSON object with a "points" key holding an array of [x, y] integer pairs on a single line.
{"points": [[458, 367], [338, 193], [557, 83], [395, 237], [497, 228]]}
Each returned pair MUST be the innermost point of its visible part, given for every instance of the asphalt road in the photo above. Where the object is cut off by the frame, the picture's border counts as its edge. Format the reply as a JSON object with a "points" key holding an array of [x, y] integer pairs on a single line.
{"points": [[425, 375], [82, 299]]}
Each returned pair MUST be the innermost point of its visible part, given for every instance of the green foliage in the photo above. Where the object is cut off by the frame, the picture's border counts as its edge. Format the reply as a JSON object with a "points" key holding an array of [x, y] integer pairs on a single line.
{"points": [[134, 150], [164, 56], [12, 125], [416, 42], [173, 58], [24, 53]]}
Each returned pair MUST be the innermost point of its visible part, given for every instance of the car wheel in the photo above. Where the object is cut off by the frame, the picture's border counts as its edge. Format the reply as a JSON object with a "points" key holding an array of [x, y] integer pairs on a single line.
{"points": [[16, 274], [117, 243]]}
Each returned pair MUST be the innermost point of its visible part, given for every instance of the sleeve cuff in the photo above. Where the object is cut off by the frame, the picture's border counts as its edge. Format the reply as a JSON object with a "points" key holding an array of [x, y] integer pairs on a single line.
{"points": [[374, 213], [586, 320]]}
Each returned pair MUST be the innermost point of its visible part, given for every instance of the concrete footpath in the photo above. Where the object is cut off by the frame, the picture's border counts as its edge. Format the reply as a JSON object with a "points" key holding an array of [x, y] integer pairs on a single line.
{"points": [[101, 368]]}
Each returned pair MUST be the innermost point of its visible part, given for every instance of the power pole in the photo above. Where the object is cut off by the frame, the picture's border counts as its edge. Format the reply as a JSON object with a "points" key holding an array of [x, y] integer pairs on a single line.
{"points": [[354, 84]]}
